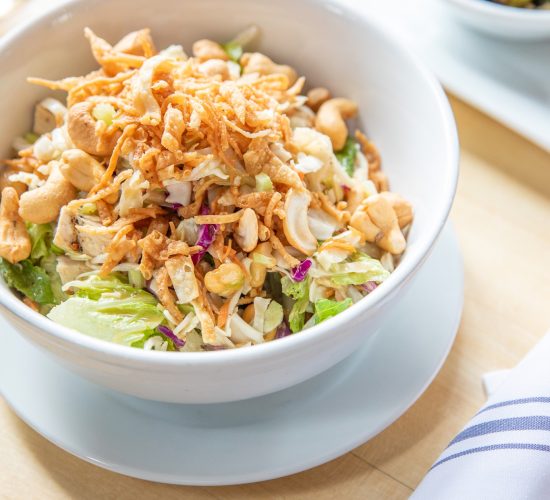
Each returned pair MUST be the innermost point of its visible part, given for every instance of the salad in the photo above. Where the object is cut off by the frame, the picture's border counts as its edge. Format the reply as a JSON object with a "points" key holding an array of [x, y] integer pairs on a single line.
{"points": [[525, 4], [195, 203]]}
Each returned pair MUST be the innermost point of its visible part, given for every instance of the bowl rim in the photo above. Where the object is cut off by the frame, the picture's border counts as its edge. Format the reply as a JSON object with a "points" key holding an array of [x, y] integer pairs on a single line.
{"points": [[258, 352], [508, 12]]}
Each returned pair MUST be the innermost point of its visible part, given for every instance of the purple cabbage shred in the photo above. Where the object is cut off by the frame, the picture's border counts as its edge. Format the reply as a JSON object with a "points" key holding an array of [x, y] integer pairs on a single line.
{"points": [[282, 331], [369, 286], [299, 272], [171, 335], [207, 234]]}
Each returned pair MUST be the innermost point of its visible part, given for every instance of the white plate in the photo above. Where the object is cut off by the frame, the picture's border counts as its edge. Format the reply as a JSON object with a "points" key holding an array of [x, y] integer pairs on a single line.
{"points": [[508, 80], [251, 440]]}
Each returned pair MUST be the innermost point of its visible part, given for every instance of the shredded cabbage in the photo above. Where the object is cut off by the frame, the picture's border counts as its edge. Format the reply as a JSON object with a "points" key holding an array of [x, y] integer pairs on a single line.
{"points": [[326, 308]]}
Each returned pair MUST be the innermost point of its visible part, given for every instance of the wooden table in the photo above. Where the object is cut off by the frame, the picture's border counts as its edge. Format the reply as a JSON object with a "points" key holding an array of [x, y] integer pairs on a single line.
{"points": [[501, 216]]}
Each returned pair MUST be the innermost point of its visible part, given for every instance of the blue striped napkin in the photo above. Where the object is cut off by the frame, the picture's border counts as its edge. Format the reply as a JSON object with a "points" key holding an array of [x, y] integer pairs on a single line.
{"points": [[504, 451]]}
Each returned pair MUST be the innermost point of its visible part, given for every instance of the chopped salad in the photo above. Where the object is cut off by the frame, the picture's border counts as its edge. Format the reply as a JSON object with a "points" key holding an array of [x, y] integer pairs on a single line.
{"points": [[195, 203]]}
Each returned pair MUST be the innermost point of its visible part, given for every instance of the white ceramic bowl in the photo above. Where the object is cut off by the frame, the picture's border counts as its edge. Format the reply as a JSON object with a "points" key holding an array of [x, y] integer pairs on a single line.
{"points": [[402, 107], [501, 20]]}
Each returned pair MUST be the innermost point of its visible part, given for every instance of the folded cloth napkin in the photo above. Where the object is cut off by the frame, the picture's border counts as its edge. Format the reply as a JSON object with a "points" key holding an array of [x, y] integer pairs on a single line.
{"points": [[504, 451]]}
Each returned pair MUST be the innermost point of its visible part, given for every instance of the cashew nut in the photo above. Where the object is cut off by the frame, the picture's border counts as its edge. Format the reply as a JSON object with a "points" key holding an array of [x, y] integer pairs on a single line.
{"points": [[225, 280], [204, 50], [15, 242], [83, 131], [214, 67], [80, 169], [246, 230], [43, 204], [377, 220], [295, 224], [330, 120], [316, 97], [263, 65], [258, 270], [380, 180], [401, 207], [248, 313]]}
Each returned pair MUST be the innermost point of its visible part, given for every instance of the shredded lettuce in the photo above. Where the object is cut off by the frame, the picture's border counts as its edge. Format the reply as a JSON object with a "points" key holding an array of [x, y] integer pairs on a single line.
{"points": [[363, 268], [346, 156], [294, 289], [299, 291], [273, 316], [110, 309], [263, 182], [153, 333], [41, 238], [136, 279], [326, 308], [49, 264]]}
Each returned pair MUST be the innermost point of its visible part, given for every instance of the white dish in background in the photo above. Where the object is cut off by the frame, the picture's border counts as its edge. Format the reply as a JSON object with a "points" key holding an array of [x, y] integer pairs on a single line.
{"points": [[257, 439], [360, 61], [508, 80], [502, 20]]}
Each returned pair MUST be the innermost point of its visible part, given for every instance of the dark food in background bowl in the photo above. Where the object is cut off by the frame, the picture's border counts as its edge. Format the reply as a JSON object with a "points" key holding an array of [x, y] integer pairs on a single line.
{"points": [[524, 4]]}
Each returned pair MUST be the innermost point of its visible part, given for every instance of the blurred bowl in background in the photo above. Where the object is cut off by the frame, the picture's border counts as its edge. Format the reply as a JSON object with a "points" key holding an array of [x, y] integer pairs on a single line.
{"points": [[502, 20]]}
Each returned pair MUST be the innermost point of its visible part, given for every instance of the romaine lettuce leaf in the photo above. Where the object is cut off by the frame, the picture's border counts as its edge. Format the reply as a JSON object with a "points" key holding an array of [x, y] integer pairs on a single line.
{"points": [[32, 281]]}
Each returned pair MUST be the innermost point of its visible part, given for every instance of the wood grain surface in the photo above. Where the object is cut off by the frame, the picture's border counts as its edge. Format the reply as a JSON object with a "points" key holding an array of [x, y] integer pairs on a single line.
{"points": [[501, 215]]}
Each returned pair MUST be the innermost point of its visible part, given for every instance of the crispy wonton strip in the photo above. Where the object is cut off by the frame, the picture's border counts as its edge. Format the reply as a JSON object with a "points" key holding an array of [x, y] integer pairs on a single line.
{"points": [[128, 132], [277, 245], [268, 218], [219, 219]]}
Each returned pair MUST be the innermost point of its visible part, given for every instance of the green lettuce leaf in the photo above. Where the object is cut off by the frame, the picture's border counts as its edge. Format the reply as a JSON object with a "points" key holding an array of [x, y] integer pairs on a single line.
{"points": [[32, 281], [326, 308], [346, 156]]}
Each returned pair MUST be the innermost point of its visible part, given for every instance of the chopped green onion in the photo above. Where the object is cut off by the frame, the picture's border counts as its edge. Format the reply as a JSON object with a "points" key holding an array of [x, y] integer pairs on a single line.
{"points": [[88, 209], [263, 182], [346, 156], [233, 50], [56, 250], [30, 137], [104, 112]]}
